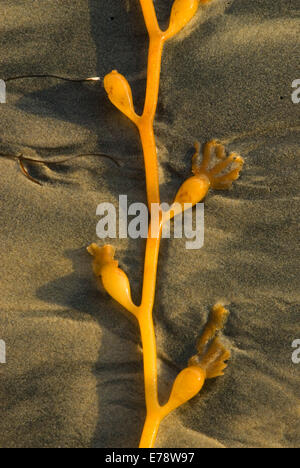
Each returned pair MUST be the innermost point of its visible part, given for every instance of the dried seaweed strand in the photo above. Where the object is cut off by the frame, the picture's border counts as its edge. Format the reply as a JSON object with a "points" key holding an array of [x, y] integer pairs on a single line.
{"points": [[21, 159]]}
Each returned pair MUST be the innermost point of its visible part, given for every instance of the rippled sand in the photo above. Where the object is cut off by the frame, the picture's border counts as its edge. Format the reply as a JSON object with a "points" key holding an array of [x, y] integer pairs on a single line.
{"points": [[73, 376]]}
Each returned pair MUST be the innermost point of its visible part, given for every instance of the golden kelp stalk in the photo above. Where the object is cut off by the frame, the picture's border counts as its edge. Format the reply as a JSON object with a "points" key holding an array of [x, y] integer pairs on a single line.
{"points": [[211, 357]]}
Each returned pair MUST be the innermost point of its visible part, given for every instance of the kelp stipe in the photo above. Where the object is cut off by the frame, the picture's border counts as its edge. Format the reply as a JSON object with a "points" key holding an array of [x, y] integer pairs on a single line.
{"points": [[211, 359]]}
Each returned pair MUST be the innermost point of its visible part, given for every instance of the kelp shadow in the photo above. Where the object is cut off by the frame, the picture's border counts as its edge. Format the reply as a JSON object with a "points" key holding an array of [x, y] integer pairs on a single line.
{"points": [[119, 369], [84, 105]]}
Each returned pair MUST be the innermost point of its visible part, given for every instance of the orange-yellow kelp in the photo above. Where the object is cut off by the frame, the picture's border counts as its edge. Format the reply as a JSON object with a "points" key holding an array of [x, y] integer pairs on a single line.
{"points": [[211, 357]]}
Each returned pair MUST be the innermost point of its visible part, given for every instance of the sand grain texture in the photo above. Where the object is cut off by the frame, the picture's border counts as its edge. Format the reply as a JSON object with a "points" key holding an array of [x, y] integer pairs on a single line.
{"points": [[74, 372]]}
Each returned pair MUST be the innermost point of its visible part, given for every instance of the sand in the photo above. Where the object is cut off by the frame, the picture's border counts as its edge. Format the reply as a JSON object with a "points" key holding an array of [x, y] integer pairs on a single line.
{"points": [[73, 376]]}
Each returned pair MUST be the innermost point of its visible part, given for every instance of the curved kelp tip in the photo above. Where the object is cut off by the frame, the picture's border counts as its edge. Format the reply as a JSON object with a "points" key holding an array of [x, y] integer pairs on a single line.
{"points": [[120, 94], [187, 385], [114, 280], [183, 11]]}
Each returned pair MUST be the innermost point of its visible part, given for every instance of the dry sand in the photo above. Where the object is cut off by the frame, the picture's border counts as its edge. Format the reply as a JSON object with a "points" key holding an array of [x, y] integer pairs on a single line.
{"points": [[73, 376]]}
